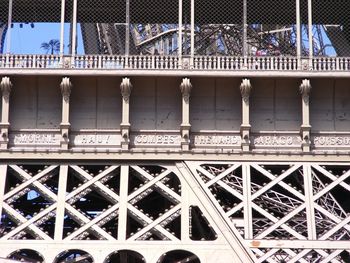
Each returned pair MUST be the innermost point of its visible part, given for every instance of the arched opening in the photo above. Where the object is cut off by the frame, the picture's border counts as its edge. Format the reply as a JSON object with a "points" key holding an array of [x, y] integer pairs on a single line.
{"points": [[125, 256], [74, 255], [178, 256], [27, 255]]}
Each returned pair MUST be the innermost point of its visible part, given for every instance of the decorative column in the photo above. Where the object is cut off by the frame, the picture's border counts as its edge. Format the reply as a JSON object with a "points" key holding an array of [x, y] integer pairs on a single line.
{"points": [[66, 88], [5, 87], [185, 88], [305, 88], [245, 88], [125, 88]]}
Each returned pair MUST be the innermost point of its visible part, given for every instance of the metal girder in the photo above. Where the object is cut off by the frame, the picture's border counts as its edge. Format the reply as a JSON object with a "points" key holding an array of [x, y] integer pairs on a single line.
{"points": [[262, 212]]}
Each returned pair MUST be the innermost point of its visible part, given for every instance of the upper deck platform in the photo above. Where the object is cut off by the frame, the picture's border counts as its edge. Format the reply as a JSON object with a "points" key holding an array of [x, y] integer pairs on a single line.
{"points": [[185, 38], [174, 65]]}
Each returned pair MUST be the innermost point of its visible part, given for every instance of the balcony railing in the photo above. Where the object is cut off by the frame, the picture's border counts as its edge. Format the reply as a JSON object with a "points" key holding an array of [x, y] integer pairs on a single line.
{"points": [[207, 63]]}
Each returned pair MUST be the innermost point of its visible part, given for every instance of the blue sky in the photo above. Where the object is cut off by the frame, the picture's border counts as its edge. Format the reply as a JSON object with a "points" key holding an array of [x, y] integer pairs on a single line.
{"points": [[27, 40]]}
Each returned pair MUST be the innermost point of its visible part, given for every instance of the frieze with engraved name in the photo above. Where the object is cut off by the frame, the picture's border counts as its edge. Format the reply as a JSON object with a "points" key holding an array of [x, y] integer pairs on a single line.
{"points": [[331, 141], [216, 140], [35, 138], [156, 139], [276, 140], [96, 139]]}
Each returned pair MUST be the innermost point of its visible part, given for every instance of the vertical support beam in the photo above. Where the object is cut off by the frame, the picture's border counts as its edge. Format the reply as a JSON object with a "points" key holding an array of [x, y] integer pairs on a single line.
{"points": [[192, 34], [185, 212], [123, 211], [127, 28], [185, 88], [66, 88], [245, 28], [63, 7], [3, 173], [179, 39], [310, 210], [74, 32], [311, 46], [61, 200], [125, 88], [305, 128], [298, 32], [5, 88], [8, 34], [248, 217], [245, 88]]}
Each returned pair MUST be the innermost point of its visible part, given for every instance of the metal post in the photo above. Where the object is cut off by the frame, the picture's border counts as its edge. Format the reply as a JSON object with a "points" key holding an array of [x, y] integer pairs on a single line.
{"points": [[298, 32], [248, 216], [310, 210], [61, 200], [127, 28], [179, 39], [192, 33], [8, 44], [311, 51], [3, 173], [245, 45], [74, 31], [63, 7], [123, 210]]}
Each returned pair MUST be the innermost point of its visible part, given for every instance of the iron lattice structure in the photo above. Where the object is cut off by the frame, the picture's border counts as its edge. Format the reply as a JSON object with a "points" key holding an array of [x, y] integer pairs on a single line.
{"points": [[230, 206]]}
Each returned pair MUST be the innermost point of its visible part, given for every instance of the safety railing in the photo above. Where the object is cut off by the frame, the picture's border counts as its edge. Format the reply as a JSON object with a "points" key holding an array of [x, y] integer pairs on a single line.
{"points": [[209, 63]]}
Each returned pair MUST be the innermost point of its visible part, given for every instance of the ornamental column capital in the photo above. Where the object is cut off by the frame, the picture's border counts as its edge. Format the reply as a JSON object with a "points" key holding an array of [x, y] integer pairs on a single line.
{"points": [[6, 87], [125, 88], [66, 88], [186, 88], [246, 88], [305, 89]]}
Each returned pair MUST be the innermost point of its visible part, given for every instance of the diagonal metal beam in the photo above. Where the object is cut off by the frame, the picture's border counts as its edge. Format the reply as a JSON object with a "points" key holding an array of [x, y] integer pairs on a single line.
{"points": [[29, 181], [275, 220], [37, 185], [156, 222], [160, 185], [29, 222], [98, 186], [92, 181], [84, 220], [148, 220], [148, 185], [223, 174], [21, 220], [92, 222], [277, 179]]}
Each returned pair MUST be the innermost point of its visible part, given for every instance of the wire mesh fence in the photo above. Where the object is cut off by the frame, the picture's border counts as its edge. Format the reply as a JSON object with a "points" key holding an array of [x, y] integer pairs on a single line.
{"points": [[35, 27], [101, 27], [154, 27], [271, 28], [4, 7], [255, 28], [304, 29], [331, 28], [218, 27]]}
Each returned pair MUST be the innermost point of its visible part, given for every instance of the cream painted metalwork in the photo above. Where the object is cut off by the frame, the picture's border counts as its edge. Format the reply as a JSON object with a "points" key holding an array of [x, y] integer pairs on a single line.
{"points": [[262, 212]]}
